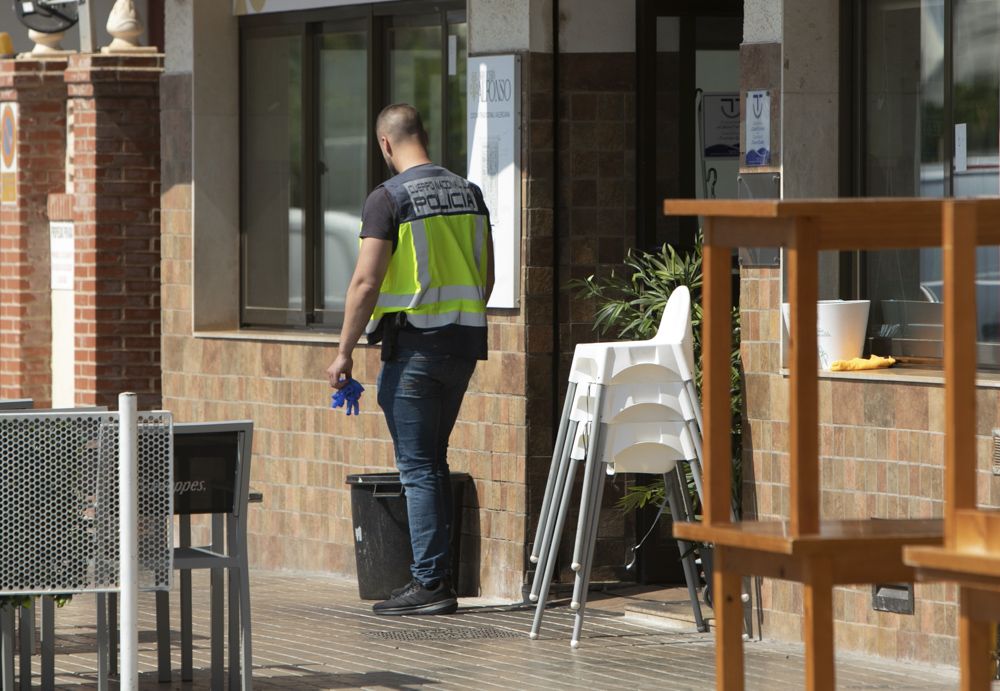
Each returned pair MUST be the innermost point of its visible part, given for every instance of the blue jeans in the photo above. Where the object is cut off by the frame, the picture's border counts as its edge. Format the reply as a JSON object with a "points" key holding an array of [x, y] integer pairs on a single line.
{"points": [[420, 394]]}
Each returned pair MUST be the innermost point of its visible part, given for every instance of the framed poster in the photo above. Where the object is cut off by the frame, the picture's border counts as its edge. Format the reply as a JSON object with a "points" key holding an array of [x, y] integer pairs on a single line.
{"points": [[494, 112], [720, 125]]}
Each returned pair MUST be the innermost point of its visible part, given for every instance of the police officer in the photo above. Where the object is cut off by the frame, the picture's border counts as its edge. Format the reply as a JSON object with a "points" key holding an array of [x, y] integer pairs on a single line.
{"points": [[420, 287]]}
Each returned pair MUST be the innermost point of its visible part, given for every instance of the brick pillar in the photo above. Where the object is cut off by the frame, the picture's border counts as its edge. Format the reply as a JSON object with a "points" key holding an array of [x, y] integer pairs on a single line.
{"points": [[115, 162], [32, 109]]}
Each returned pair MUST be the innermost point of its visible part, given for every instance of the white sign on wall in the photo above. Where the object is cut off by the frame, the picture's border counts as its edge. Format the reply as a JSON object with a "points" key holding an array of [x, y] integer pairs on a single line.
{"points": [[720, 115], [494, 111], [61, 250], [758, 125]]}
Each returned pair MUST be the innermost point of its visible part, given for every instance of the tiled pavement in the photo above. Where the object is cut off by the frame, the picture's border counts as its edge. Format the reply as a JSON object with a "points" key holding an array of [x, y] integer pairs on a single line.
{"points": [[313, 633]]}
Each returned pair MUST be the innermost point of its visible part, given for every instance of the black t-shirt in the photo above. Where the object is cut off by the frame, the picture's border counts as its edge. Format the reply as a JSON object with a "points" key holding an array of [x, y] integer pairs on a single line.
{"points": [[380, 220]]}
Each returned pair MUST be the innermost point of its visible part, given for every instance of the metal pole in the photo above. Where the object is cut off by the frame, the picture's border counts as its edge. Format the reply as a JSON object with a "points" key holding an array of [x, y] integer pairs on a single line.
{"points": [[86, 15], [128, 536], [7, 647]]}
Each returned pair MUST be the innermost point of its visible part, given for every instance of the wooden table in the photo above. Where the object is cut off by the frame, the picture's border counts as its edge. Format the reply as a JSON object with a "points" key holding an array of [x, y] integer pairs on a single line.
{"points": [[818, 554], [970, 554]]}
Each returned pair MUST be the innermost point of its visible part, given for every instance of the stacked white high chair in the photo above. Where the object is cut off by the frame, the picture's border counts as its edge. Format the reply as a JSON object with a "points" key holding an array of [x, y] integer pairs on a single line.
{"points": [[630, 407]]}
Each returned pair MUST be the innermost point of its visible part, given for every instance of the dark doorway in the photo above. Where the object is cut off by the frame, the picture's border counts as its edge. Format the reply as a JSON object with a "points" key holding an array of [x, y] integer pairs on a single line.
{"points": [[687, 49]]}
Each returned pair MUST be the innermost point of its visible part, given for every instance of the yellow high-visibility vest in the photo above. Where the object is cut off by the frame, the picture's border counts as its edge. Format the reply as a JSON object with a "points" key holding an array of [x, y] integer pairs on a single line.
{"points": [[437, 274]]}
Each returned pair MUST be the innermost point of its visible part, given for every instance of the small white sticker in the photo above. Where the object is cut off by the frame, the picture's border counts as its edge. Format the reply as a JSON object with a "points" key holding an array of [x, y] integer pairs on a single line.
{"points": [[452, 55], [357, 534], [961, 148]]}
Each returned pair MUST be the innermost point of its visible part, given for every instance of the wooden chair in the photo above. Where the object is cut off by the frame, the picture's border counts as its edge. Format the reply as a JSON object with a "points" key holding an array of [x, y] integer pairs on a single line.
{"points": [[970, 554], [818, 554]]}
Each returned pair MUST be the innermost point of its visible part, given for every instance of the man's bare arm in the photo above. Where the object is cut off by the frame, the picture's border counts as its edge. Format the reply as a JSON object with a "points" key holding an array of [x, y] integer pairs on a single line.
{"points": [[362, 295]]}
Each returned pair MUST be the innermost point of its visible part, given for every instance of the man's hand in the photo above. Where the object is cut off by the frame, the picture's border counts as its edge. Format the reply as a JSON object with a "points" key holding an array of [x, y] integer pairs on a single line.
{"points": [[339, 372]]}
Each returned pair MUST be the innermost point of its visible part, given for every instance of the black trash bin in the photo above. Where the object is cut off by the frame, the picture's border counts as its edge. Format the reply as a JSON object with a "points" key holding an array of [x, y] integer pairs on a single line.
{"points": [[382, 532]]}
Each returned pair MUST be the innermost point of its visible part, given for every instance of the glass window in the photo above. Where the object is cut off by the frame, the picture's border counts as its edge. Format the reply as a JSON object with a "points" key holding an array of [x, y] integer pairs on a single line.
{"points": [[415, 73], [343, 158], [458, 48], [311, 87], [930, 129], [272, 177]]}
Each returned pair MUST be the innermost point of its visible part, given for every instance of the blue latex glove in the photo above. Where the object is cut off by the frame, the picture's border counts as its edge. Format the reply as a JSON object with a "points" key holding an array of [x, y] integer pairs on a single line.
{"points": [[349, 394]]}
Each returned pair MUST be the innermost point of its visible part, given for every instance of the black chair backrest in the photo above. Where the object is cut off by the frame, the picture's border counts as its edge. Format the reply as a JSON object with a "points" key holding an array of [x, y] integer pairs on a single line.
{"points": [[210, 463]]}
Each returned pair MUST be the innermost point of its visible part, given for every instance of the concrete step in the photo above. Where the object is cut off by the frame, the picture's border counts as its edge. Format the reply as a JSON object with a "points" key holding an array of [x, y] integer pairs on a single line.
{"points": [[673, 614]]}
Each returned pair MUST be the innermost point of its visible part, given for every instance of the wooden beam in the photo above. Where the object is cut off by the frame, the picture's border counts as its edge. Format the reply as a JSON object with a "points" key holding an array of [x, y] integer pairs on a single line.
{"points": [[803, 402], [817, 596], [974, 645], [728, 605], [751, 232], [716, 344], [959, 269]]}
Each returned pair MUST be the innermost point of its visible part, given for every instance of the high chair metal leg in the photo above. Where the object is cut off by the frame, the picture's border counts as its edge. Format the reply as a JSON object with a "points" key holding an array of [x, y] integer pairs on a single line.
{"points": [[692, 391], [695, 464], [555, 505], [553, 551], [678, 511], [587, 527], [593, 460], [584, 575], [550, 484]]}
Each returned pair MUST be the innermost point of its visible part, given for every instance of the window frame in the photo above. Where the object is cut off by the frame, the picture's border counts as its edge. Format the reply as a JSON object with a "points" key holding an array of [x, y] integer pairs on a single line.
{"points": [[854, 87], [376, 19]]}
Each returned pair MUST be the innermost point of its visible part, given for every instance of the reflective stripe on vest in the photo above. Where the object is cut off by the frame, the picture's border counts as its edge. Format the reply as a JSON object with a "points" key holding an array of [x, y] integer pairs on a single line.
{"points": [[437, 275]]}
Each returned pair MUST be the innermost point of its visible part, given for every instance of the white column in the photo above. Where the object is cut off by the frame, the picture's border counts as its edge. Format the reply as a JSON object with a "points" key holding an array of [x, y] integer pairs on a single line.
{"points": [[63, 322], [128, 540]]}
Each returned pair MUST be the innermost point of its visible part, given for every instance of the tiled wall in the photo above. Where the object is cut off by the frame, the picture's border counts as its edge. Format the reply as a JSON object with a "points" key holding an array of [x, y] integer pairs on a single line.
{"points": [[882, 456], [596, 228]]}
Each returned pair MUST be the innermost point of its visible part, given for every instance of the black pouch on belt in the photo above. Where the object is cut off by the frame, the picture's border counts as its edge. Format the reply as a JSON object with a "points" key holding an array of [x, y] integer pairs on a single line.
{"points": [[392, 323]]}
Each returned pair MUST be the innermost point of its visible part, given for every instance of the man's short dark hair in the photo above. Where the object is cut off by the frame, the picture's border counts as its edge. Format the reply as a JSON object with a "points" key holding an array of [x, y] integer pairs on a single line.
{"points": [[400, 121]]}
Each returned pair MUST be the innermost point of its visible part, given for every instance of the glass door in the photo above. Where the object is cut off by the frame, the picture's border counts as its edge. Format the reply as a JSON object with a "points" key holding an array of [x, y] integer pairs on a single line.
{"points": [[687, 109]]}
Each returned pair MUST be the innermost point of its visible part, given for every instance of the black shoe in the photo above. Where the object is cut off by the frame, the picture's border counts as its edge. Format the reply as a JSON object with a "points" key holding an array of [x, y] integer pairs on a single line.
{"points": [[396, 592], [417, 598]]}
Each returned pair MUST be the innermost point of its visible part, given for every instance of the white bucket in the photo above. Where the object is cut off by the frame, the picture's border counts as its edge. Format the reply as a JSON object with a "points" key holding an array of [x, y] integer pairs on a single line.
{"points": [[840, 329]]}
